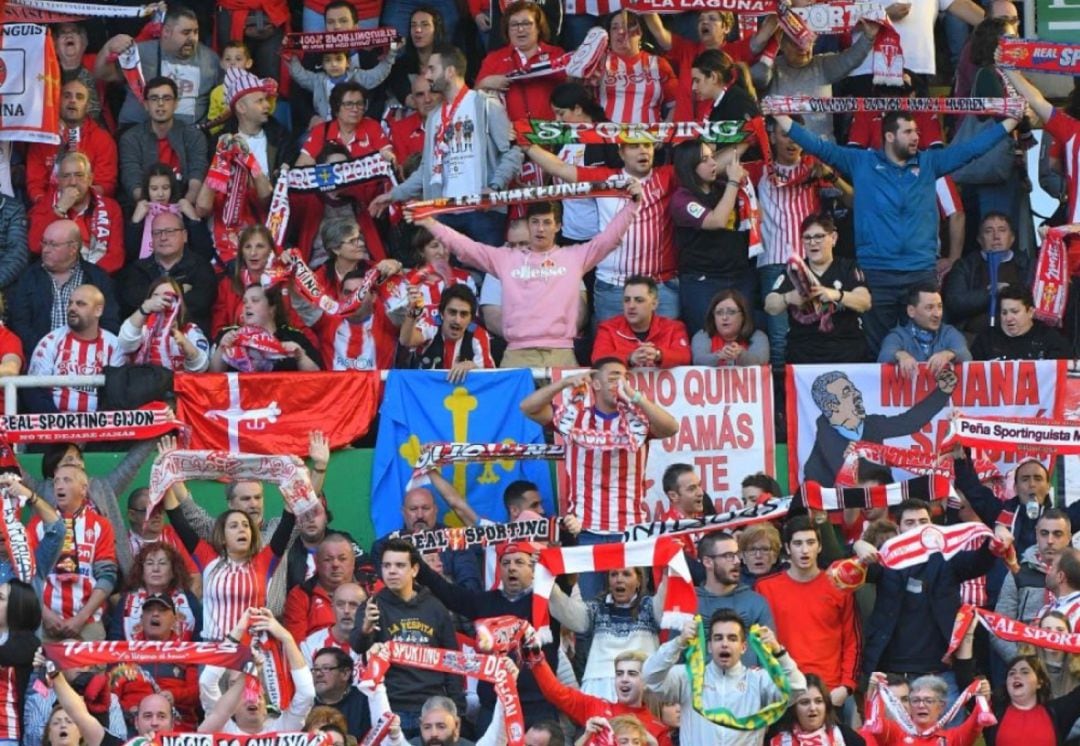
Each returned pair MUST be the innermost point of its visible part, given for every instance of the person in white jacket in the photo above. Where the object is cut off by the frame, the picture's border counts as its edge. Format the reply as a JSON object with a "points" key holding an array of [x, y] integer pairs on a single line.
{"points": [[728, 683]]}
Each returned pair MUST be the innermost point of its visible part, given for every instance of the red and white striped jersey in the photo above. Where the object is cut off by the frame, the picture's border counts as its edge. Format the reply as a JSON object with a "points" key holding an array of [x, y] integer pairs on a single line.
{"points": [[592, 7], [9, 702], [368, 345], [324, 638], [787, 195], [451, 350], [648, 248], [88, 539], [1069, 606], [632, 89], [230, 587], [607, 486], [61, 353], [948, 197]]}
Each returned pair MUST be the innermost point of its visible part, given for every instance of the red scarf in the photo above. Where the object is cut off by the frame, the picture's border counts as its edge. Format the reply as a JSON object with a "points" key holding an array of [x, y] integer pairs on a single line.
{"points": [[78, 654], [254, 350], [1051, 287]]}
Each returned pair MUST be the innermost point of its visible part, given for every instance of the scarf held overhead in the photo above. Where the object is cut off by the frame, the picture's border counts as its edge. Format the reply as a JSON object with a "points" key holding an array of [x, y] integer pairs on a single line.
{"points": [[287, 472], [916, 547], [489, 534], [680, 603], [1041, 56], [1051, 286], [929, 488], [542, 132], [1010, 630], [340, 41], [151, 421], [769, 510], [422, 209], [1003, 107], [14, 533], [78, 654], [438, 455]]}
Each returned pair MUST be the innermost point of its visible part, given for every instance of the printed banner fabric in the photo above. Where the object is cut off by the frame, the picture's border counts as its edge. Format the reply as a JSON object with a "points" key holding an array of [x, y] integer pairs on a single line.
{"points": [[78, 654], [29, 84], [340, 41], [871, 402], [1027, 434], [232, 739], [274, 412], [420, 406], [541, 132], [64, 427], [725, 418], [1041, 56]]}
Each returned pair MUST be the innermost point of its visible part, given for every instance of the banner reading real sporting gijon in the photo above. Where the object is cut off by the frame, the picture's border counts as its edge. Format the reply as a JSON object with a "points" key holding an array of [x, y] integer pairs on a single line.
{"points": [[726, 428], [829, 406]]}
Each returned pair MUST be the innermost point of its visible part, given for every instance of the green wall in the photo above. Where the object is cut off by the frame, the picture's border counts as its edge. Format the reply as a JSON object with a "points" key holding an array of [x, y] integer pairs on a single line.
{"points": [[348, 484]]}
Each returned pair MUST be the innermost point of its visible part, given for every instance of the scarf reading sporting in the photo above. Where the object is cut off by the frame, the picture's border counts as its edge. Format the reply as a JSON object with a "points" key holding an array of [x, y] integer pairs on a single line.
{"points": [[1051, 288], [78, 654], [544, 530], [680, 603], [150, 421], [493, 669], [581, 63], [1012, 434], [813, 310], [915, 547], [798, 737], [314, 738], [287, 472], [16, 545], [1042, 56], [696, 657], [769, 510], [1002, 107], [307, 285], [253, 350], [277, 215], [1010, 630], [543, 132], [838, 17], [885, 701], [325, 177], [339, 41], [427, 208], [815, 497]]}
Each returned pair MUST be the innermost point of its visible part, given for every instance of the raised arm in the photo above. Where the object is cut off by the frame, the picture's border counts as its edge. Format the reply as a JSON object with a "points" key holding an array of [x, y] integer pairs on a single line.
{"points": [[551, 164], [537, 406], [91, 730], [1033, 95], [453, 499]]}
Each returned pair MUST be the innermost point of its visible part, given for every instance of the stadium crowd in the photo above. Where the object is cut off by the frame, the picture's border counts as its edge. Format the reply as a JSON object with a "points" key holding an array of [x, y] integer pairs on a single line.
{"points": [[143, 238]]}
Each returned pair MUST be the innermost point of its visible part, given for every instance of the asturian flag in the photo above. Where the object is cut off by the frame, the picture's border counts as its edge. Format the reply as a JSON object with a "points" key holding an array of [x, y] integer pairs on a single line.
{"points": [[29, 84], [421, 406]]}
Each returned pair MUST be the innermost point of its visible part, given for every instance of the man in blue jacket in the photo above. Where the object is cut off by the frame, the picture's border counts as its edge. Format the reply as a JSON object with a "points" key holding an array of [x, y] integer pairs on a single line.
{"points": [[896, 214]]}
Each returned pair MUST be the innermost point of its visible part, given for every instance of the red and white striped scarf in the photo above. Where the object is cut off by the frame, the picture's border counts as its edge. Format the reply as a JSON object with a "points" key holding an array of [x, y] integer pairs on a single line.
{"points": [[815, 497], [680, 603], [798, 737], [157, 333], [915, 547], [1051, 288], [885, 701], [253, 350]]}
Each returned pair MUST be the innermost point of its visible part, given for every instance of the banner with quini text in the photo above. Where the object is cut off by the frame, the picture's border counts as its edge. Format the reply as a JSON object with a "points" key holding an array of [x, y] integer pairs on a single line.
{"points": [[829, 406], [726, 429]]}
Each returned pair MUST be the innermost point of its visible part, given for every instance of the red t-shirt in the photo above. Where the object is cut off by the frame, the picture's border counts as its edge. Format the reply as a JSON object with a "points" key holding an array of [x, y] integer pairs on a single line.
{"points": [[407, 136], [1026, 726], [530, 97], [10, 344], [866, 130]]}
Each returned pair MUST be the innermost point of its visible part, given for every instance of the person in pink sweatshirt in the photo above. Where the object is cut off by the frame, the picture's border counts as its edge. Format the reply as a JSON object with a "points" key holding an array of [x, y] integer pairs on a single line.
{"points": [[541, 284]]}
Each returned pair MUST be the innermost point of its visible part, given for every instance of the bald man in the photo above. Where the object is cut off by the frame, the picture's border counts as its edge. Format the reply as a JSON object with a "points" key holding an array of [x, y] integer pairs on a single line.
{"points": [[39, 302], [79, 348]]}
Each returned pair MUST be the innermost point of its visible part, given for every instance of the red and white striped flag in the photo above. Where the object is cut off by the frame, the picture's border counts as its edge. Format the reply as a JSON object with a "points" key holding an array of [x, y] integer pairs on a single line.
{"points": [[29, 84]]}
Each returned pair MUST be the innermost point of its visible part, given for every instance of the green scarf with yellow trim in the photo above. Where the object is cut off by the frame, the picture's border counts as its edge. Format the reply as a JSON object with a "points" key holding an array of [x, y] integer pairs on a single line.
{"points": [[696, 657]]}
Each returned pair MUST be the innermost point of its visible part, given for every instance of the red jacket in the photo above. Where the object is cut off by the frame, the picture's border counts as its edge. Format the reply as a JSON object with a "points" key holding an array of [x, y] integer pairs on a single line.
{"points": [[530, 97], [615, 338], [94, 142], [308, 608], [101, 224]]}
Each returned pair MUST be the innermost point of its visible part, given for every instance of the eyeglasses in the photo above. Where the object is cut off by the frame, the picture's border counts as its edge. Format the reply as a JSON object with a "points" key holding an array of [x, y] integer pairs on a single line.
{"points": [[326, 669], [521, 24], [813, 238], [164, 99], [353, 104], [58, 244], [160, 232], [758, 550], [725, 557], [923, 700], [727, 312]]}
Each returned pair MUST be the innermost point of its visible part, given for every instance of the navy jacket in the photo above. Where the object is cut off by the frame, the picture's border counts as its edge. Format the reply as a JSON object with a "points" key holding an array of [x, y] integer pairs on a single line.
{"points": [[30, 303]]}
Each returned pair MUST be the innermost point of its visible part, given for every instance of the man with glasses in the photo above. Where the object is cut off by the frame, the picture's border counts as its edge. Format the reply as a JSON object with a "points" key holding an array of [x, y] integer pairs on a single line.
{"points": [[171, 258], [163, 137], [719, 553], [101, 224], [333, 671], [39, 302]]}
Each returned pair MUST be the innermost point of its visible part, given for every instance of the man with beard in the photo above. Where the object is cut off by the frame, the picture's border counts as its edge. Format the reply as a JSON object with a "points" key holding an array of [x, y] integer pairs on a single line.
{"points": [[723, 589], [844, 420], [78, 133], [896, 212], [80, 348], [177, 55], [629, 693], [71, 41], [332, 668], [452, 345], [348, 601], [514, 597], [308, 607], [1023, 594], [815, 621], [728, 684]]}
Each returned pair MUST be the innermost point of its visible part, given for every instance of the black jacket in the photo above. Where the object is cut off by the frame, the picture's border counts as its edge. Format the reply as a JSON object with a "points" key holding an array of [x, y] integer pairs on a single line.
{"points": [[967, 297], [1040, 343], [30, 303], [191, 271]]}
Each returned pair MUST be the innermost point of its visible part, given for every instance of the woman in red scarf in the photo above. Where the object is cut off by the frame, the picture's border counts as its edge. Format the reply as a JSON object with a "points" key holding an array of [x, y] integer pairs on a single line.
{"points": [[526, 26], [160, 334], [812, 720], [927, 708], [159, 568], [728, 336]]}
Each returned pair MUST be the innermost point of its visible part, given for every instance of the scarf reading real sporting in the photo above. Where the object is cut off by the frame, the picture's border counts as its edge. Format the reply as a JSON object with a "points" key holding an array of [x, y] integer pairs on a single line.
{"points": [[1041, 56], [287, 472], [1002, 107], [680, 602], [544, 530], [421, 209], [150, 421], [1011, 630], [78, 654], [696, 657]]}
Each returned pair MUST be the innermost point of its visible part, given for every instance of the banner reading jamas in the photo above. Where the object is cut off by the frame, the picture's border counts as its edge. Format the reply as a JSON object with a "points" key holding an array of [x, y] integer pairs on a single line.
{"points": [[29, 84], [274, 412], [830, 406], [726, 429]]}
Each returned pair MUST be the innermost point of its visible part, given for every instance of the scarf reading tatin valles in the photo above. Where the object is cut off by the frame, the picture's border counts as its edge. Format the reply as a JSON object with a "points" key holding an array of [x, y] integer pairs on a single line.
{"points": [[78, 654], [696, 661]]}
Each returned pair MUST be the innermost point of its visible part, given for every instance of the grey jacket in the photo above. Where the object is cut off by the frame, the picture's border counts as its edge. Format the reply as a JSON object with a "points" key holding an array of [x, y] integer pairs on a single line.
{"points": [[501, 162], [14, 251], [316, 81], [901, 338], [741, 690], [1022, 597], [138, 151]]}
